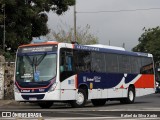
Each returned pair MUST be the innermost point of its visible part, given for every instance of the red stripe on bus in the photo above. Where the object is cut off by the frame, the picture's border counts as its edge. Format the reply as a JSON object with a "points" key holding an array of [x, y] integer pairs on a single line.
{"points": [[122, 86], [76, 82], [73, 46], [145, 81], [37, 44]]}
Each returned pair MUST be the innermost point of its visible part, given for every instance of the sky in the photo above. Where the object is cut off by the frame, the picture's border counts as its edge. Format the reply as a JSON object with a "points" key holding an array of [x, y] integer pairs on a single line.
{"points": [[115, 28]]}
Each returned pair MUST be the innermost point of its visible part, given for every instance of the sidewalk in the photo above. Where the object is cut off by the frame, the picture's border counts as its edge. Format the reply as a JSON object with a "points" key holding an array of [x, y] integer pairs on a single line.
{"points": [[9, 102], [13, 103], [6, 102]]}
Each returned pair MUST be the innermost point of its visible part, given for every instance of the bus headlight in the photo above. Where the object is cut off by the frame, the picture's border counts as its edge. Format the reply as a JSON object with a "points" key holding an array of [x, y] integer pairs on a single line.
{"points": [[16, 89], [53, 87]]}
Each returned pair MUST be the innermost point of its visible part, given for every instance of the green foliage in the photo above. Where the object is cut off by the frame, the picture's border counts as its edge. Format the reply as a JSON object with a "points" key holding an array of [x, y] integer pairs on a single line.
{"points": [[83, 37], [150, 42], [25, 19]]}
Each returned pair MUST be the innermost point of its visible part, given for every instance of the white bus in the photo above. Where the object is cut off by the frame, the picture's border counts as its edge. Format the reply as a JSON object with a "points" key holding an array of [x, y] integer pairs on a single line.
{"points": [[51, 71]]}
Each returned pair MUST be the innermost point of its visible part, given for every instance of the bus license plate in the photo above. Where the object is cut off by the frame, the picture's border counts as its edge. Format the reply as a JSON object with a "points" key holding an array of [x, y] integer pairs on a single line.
{"points": [[32, 98]]}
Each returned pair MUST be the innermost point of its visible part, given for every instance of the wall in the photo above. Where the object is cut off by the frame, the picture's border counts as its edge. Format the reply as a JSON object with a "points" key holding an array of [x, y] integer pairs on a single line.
{"points": [[2, 61], [6, 79], [9, 80]]}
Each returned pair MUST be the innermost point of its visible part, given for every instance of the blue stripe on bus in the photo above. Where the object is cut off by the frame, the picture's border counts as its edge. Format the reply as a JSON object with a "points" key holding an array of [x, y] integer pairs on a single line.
{"points": [[129, 78], [88, 48], [103, 80]]}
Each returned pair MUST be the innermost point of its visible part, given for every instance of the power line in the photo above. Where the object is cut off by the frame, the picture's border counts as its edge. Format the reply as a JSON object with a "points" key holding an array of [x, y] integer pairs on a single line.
{"points": [[118, 10]]}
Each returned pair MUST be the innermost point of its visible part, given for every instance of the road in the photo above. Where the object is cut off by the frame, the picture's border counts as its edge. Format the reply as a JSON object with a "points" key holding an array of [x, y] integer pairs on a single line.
{"points": [[146, 107]]}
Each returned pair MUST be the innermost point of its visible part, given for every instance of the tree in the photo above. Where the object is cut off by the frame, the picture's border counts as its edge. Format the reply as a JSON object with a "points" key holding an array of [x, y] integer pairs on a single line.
{"points": [[25, 19], [83, 35], [150, 42]]}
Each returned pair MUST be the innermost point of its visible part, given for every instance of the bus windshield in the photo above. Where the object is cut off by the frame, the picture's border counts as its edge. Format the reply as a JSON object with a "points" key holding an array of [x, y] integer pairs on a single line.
{"points": [[36, 68]]}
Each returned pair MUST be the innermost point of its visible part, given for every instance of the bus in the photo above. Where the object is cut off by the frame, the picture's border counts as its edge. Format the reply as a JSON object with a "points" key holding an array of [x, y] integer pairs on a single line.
{"points": [[51, 72]]}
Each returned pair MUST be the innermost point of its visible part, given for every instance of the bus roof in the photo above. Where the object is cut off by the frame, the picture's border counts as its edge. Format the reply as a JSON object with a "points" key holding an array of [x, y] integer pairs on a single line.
{"points": [[96, 47], [106, 46], [111, 50]]}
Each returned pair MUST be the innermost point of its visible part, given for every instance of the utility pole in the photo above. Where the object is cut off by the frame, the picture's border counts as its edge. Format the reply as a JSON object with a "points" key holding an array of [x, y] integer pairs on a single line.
{"points": [[75, 27], [123, 45], [4, 30]]}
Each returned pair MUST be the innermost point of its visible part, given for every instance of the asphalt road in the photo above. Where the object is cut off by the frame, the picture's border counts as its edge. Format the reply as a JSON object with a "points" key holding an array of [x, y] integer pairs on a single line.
{"points": [[146, 107]]}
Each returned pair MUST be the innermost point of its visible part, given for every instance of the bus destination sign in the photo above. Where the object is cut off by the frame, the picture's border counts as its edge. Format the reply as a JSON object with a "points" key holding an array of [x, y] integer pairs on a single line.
{"points": [[38, 49]]}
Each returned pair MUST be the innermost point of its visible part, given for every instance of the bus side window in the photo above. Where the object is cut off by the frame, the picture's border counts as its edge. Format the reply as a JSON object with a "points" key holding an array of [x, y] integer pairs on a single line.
{"points": [[62, 56], [147, 66], [68, 63]]}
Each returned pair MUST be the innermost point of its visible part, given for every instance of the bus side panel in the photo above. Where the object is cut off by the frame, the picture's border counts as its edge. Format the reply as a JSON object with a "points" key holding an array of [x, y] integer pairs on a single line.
{"points": [[107, 93], [144, 91], [97, 93], [69, 83], [115, 93], [145, 85], [68, 94], [68, 88], [102, 85], [116, 85], [145, 81], [55, 95]]}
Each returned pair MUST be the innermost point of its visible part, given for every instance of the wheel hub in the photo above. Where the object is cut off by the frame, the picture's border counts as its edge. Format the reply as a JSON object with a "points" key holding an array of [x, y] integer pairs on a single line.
{"points": [[80, 98], [131, 96]]}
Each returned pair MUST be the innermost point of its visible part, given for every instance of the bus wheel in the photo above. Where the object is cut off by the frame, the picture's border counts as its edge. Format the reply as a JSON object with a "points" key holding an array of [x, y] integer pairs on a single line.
{"points": [[98, 102], [131, 95], [80, 99], [46, 104], [130, 98]]}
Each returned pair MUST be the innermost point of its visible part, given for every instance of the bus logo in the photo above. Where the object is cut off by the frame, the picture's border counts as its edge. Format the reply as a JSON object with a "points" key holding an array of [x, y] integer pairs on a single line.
{"points": [[84, 79]]}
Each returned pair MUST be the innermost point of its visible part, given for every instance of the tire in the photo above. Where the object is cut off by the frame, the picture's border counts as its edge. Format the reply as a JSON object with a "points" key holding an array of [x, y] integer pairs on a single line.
{"points": [[80, 99], [130, 97], [46, 104], [98, 102]]}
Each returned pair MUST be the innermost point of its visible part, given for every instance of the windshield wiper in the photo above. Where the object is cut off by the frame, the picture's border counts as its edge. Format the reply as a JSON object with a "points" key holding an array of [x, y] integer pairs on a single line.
{"points": [[40, 59], [35, 61]]}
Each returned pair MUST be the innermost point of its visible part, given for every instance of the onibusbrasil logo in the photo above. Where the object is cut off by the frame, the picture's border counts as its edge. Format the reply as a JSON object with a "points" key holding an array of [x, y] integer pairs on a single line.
{"points": [[21, 114]]}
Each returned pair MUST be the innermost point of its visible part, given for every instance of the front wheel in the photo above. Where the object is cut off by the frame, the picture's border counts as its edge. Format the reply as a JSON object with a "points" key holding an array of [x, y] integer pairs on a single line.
{"points": [[46, 104], [80, 99]]}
